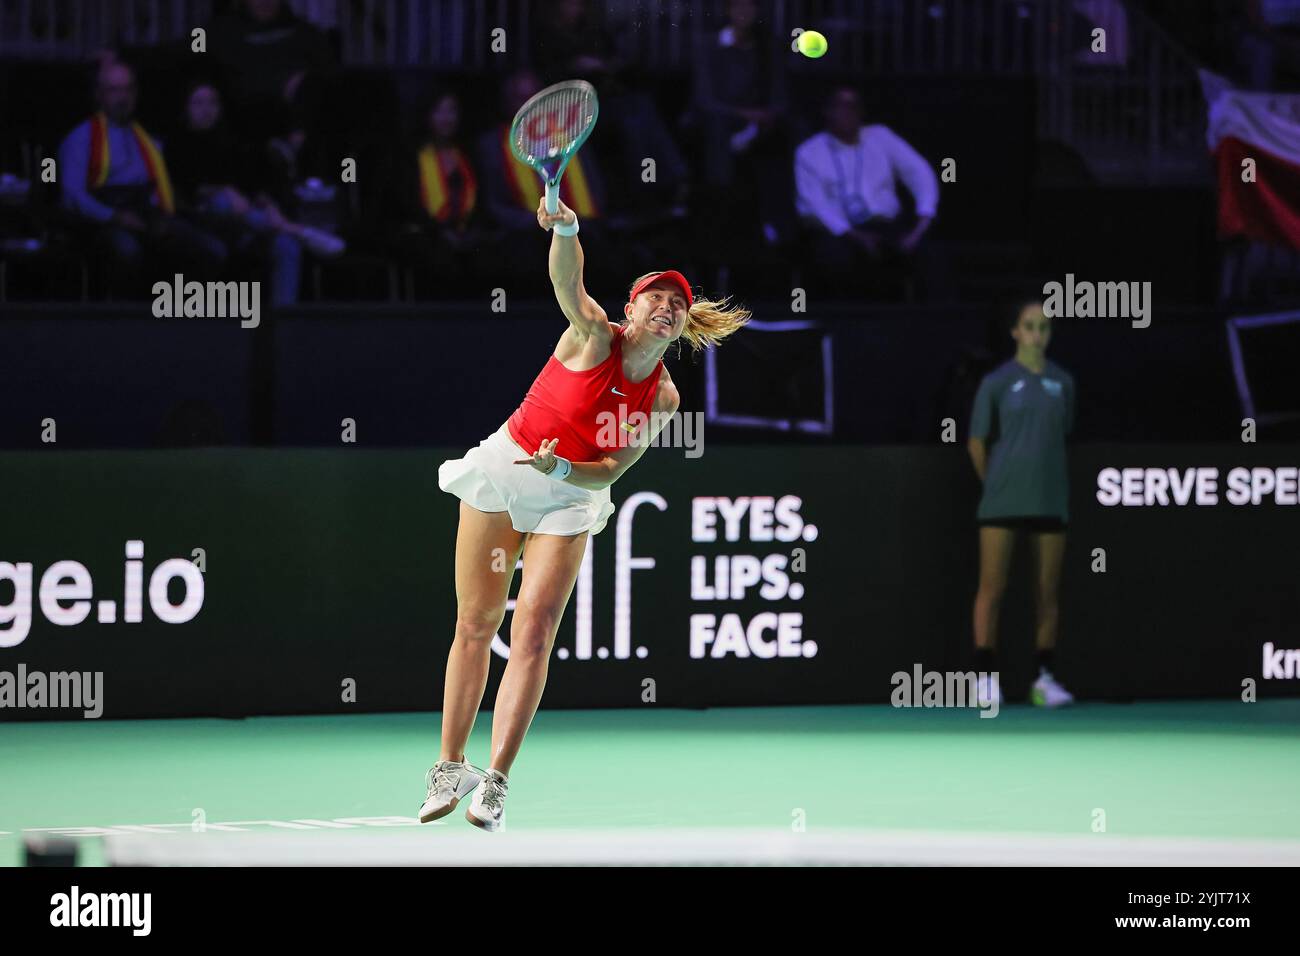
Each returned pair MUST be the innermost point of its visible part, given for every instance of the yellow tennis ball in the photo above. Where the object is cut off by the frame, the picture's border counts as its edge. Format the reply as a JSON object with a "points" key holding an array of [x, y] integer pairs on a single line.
{"points": [[812, 44]]}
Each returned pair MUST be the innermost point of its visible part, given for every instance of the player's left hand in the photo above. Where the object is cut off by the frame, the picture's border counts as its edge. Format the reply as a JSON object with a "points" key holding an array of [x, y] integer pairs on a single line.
{"points": [[544, 458]]}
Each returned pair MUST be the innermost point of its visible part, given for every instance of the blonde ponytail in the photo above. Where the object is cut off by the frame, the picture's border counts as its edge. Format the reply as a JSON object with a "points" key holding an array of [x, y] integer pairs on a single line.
{"points": [[709, 321]]}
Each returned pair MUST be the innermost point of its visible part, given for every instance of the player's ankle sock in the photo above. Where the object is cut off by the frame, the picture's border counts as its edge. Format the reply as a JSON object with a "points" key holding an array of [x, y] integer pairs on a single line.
{"points": [[1044, 659], [985, 659]]}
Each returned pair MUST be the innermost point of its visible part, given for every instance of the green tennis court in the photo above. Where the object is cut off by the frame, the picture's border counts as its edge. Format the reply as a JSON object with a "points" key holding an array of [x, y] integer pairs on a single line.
{"points": [[1223, 772]]}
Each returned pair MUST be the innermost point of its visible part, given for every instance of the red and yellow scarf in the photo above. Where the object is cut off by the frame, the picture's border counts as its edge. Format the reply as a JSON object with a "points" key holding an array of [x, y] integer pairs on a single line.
{"points": [[97, 171], [526, 185], [435, 197]]}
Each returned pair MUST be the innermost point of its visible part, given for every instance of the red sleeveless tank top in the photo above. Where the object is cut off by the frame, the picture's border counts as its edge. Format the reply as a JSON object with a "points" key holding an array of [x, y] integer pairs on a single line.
{"points": [[591, 413]]}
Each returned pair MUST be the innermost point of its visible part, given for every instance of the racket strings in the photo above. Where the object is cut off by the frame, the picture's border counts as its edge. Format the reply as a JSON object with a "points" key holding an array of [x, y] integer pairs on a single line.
{"points": [[555, 123]]}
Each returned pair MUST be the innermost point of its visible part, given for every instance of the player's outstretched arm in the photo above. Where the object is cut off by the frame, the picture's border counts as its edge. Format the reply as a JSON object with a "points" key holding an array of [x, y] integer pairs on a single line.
{"points": [[566, 261]]}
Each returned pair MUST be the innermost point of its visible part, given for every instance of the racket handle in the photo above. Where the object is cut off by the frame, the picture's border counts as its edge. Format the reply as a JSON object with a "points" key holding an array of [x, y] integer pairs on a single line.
{"points": [[552, 197]]}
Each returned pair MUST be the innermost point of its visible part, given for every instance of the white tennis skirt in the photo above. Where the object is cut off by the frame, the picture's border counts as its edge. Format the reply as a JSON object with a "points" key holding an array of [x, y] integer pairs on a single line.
{"points": [[487, 479]]}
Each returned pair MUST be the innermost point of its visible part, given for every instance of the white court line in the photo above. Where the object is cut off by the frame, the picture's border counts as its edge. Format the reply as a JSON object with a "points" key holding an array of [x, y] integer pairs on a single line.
{"points": [[436, 845]]}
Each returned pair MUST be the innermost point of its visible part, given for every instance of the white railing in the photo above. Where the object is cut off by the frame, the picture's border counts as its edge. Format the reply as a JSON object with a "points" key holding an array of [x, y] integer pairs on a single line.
{"points": [[869, 36], [1135, 112], [75, 29], [446, 34]]}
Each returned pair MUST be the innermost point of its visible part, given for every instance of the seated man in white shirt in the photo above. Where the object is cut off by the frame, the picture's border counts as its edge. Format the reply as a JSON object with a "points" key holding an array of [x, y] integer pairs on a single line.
{"points": [[845, 193]]}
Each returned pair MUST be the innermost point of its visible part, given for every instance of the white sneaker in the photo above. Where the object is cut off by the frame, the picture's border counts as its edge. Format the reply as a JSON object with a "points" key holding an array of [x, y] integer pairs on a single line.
{"points": [[488, 808], [447, 782], [988, 691], [1048, 693]]}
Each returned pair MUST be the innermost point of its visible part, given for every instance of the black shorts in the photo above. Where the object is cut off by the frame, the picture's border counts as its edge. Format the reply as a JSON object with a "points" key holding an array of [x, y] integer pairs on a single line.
{"points": [[1038, 524]]}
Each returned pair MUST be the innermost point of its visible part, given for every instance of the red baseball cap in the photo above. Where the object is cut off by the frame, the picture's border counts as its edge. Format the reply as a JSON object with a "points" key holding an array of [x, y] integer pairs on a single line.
{"points": [[672, 276]]}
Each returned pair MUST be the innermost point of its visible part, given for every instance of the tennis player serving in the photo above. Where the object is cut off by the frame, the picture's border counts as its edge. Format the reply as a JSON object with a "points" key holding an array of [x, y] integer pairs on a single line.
{"points": [[539, 486]]}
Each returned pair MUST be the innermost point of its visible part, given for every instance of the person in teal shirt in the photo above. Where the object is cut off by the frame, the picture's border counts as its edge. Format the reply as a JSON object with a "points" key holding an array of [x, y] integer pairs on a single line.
{"points": [[1024, 410]]}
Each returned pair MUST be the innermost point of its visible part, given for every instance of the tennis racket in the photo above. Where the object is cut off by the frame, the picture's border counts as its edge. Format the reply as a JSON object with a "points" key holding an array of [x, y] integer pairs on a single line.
{"points": [[548, 130]]}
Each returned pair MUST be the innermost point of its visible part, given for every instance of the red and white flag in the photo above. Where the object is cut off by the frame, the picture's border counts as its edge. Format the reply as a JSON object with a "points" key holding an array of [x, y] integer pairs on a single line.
{"points": [[1264, 127]]}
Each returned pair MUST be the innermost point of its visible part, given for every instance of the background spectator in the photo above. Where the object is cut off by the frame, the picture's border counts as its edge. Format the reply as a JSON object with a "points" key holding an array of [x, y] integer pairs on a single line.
{"points": [[845, 191], [215, 176], [443, 236], [117, 184]]}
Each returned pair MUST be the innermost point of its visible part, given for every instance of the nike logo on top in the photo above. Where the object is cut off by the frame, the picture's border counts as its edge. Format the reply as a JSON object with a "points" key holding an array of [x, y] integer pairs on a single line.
{"points": [[617, 392]]}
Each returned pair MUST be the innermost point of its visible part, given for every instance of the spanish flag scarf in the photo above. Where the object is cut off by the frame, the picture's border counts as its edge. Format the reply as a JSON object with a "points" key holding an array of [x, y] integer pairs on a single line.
{"points": [[97, 171], [435, 195]]}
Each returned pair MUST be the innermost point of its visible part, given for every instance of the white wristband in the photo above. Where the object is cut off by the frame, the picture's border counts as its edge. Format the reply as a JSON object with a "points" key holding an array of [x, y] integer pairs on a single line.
{"points": [[561, 470], [564, 230]]}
